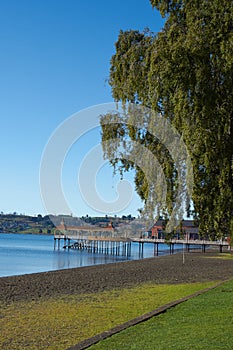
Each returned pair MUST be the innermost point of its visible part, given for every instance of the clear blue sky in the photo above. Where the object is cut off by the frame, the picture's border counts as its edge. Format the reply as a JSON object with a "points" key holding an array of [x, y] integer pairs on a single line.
{"points": [[54, 61]]}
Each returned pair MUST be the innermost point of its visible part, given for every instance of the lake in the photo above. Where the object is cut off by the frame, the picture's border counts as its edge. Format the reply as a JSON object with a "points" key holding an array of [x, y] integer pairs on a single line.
{"points": [[27, 253]]}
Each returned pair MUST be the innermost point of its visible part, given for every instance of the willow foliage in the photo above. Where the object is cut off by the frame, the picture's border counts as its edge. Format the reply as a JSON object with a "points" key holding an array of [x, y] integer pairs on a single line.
{"points": [[185, 72]]}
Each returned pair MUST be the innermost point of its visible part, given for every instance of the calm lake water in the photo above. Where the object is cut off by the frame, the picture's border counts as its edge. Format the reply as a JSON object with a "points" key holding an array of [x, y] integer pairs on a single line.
{"points": [[23, 254]]}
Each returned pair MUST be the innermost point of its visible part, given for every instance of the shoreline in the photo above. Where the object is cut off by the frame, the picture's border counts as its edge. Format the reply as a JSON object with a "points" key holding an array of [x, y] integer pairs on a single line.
{"points": [[16, 263], [166, 269]]}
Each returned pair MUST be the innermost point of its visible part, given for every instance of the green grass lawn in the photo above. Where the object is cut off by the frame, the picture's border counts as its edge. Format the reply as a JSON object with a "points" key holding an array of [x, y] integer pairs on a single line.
{"points": [[58, 323], [204, 322], [227, 255]]}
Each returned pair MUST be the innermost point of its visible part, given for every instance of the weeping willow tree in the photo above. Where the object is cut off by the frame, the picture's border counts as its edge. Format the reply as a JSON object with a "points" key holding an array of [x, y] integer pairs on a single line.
{"points": [[185, 74]]}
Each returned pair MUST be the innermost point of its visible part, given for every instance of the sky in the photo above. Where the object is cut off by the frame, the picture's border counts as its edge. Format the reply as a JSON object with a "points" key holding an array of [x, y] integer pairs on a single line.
{"points": [[54, 62]]}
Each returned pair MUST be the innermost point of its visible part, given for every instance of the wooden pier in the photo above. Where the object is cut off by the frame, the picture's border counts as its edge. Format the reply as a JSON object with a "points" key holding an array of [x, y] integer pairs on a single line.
{"points": [[121, 246], [109, 240], [94, 244], [184, 243], [94, 239]]}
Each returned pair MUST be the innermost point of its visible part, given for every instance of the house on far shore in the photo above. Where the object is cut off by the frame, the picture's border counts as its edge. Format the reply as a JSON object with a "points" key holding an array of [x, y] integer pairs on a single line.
{"points": [[189, 230]]}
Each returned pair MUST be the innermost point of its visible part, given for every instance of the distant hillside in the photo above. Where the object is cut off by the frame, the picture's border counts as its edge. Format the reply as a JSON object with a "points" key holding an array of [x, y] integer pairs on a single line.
{"points": [[13, 223]]}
